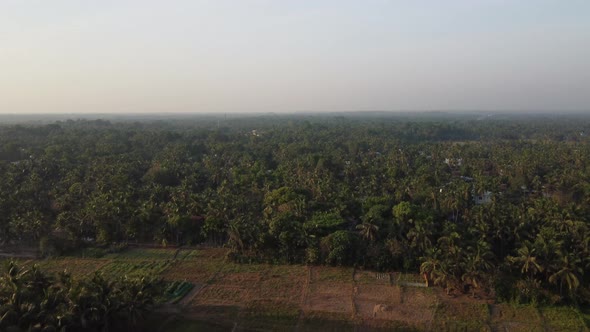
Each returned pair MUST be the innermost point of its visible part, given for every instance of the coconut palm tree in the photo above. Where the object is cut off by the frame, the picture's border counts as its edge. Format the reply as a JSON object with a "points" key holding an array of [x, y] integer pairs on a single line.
{"points": [[438, 269], [476, 264], [527, 260], [568, 274], [419, 236], [431, 267]]}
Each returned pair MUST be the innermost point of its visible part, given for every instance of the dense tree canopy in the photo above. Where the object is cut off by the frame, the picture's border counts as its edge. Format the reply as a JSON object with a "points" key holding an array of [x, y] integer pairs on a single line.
{"points": [[473, 203], [31, 300]]}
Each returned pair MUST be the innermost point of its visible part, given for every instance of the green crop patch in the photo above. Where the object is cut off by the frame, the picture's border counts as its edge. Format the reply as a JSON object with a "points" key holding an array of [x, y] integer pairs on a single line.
{"points": [[135, 268], [144, 254], [176, 290]]}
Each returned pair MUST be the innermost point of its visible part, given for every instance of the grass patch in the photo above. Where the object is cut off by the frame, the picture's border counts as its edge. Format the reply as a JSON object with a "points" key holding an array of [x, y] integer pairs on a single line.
{"points": [[144, 254], [261, 316], [516, 313], [461, 317], [562, 319], [99, 252], [76, 266], [331, 274]]}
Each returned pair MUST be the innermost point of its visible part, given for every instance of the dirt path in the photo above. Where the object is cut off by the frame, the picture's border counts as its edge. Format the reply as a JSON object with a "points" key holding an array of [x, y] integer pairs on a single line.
{"points": [[305, 290], [303, 302], [354, 293]]}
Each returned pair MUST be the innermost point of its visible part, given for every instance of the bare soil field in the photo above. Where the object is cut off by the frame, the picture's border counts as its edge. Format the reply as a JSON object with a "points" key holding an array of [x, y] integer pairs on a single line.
{"points": [[281, 285], [330, 297], [330, 290], [223, 295]]}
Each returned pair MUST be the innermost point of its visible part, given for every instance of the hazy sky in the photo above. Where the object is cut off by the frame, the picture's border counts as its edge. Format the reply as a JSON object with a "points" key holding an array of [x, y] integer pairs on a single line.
{"points": [[289, 55]]}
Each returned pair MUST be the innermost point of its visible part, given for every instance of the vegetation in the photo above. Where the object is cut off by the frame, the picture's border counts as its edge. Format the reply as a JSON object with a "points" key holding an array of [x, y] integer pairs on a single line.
{"points": [[176, 290], [273, 297], [31, 300], [495, 205]]}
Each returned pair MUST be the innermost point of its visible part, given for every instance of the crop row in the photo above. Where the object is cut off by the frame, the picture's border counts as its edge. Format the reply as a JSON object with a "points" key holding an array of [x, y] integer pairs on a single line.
{"points": [[136, 268]]}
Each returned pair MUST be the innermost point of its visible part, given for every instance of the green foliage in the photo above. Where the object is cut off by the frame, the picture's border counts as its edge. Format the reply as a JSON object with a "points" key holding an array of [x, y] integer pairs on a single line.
{"points": [[324, 223], [31, 300], [500, 204], [402, 211], [176, 290], [135, 269], [339, 248]]}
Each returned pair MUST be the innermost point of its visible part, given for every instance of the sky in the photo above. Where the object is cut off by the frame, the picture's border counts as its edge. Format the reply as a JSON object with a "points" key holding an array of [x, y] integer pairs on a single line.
{"points": [[144, 56]]}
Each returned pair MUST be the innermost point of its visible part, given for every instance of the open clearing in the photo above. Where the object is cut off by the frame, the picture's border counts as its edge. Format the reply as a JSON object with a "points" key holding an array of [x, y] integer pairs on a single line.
{"points": [[266, 297]]}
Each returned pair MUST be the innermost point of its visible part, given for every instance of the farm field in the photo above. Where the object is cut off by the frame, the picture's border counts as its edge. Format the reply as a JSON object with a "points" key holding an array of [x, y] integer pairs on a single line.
{"points": [[76, 266], [206, 290]]}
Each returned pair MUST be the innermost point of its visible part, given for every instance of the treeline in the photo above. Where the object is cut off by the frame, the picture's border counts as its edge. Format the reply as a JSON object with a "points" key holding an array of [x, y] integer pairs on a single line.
{"points": [[31, 300], [499, 206]]}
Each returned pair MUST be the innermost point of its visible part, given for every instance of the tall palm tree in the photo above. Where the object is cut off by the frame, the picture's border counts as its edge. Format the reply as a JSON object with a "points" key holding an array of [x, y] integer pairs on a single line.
{"points": [[435, 269], [419, 237], [476, 264], [568, 274], [431, 267], [527, 260]]}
